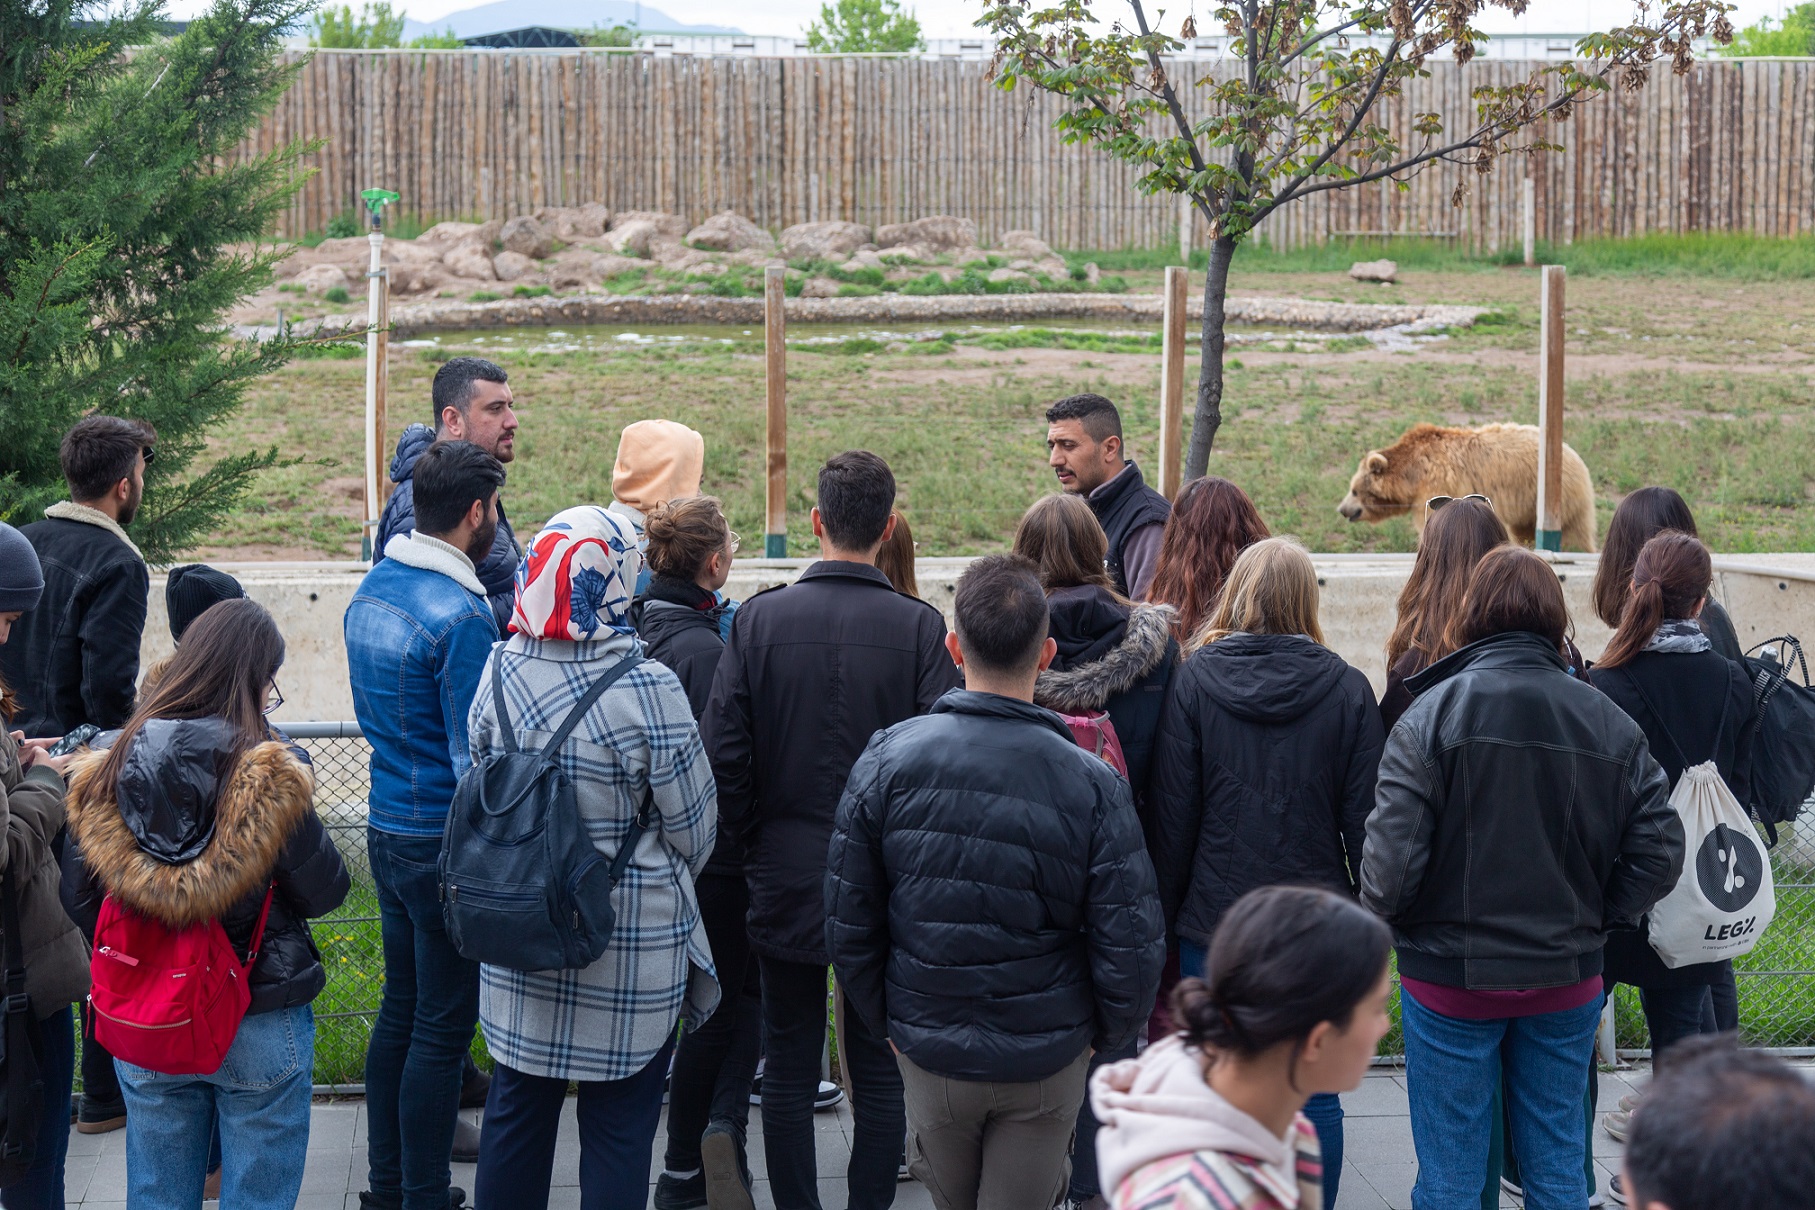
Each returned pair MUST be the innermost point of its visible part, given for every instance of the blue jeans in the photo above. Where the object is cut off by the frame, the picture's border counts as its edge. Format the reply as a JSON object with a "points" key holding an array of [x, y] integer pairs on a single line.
{"points": [[41, 1188], [260, 1097], [618, 1119], [423, 1031], [1452, 1067], [1323, 1110]]}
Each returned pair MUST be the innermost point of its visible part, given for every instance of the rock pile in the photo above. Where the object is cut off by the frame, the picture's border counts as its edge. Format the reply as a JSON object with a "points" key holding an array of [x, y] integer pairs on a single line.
{"points": [[578, 247]]}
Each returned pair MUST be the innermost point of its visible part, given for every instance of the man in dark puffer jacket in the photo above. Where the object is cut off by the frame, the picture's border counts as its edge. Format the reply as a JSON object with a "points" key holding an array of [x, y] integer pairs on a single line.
{"points": [[1008, 923]]}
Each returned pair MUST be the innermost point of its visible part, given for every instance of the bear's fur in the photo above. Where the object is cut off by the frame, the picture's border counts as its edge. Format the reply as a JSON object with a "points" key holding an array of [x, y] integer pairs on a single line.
{"points": [[1499, 461]]}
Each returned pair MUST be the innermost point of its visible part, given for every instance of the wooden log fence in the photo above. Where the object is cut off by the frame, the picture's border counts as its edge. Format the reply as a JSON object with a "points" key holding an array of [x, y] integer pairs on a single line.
{"points": [[488, 133]]}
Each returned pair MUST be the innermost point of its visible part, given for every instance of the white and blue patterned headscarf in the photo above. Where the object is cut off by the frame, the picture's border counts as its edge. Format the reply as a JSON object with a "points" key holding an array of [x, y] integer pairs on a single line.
{"points": [[577, 580]]}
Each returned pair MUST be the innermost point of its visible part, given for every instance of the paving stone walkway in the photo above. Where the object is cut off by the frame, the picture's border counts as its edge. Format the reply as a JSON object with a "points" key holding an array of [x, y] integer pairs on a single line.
{"points": [[1377, 1172]]}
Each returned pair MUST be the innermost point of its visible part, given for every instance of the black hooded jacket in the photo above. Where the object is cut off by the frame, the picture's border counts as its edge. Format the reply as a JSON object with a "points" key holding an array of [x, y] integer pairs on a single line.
{"points": [[1264, 774], [989, 907], [1519, 816], [193, 832]]}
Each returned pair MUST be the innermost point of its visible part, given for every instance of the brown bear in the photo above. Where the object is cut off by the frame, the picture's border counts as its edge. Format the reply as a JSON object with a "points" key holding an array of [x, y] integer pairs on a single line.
{"points": [[1499, 461]]}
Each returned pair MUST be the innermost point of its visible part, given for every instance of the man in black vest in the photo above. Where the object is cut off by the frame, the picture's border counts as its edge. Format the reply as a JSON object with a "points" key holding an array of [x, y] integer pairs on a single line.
{"points": [[1084, 440]]}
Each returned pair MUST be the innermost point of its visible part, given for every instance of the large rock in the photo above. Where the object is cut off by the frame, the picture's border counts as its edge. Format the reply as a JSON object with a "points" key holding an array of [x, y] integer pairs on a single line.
{"points": [[668, 224], [633, 238], [416, 277], [321, 278], [509, 266], [819, 287], [833, 240], [447, 233], [1374, 270], [525, 235], [1025, 244], [469, 259], [353, 254], [570, 223], [729, 232], [606, 266], [936, 233], [488, 233], [999, 276]]}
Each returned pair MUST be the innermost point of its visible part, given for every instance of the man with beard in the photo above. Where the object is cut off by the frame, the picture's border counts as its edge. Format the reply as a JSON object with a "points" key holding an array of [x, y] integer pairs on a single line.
{"points": [[1084, 449], [74, 660], [473, 402], [418, 633]]}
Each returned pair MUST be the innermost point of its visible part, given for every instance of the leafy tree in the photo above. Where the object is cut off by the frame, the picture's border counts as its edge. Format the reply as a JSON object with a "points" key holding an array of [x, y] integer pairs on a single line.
{"points": [[1795, 36], [853, 27], [129, 225], [447, 39], [1296, 117], [375, 28], [599, 35]]}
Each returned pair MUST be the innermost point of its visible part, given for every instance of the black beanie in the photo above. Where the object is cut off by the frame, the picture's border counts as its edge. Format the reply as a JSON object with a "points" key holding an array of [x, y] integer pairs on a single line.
{"points": [[21, 579], [192, 590]]}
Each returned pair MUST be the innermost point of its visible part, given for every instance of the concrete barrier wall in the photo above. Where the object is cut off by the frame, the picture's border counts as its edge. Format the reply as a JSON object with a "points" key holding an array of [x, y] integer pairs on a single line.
{"points": [[1767, 596]]}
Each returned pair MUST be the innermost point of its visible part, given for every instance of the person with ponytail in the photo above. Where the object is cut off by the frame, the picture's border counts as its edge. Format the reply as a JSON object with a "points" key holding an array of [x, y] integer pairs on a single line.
{"points": [[1642, 516], [1292, 1004], [1693, 705]]}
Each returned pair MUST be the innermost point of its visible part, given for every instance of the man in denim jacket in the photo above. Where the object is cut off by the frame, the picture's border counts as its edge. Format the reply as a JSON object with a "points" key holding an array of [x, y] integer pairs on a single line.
{"points": [[418, 633]]}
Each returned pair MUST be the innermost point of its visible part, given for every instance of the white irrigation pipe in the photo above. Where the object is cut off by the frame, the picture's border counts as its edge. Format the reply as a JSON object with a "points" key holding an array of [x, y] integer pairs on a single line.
{"points": [[374, 303]]}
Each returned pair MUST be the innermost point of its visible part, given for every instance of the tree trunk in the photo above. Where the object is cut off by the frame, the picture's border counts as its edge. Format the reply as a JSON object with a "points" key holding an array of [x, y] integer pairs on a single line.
{"points": [[1209, 415]]}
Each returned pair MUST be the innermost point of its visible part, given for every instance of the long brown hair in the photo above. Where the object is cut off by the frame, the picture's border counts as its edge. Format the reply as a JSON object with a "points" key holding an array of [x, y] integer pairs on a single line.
{"points": [[223, 668], [1212, 522], [1512, 589], [1455, 539], [896, 558], [1061, 536], [1669, 579], [1641, 516], [1272, 589]]}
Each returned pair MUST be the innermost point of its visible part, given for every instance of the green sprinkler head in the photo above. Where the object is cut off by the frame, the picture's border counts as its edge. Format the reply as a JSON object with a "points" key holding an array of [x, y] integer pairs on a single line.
{"points": [[376, 200]]}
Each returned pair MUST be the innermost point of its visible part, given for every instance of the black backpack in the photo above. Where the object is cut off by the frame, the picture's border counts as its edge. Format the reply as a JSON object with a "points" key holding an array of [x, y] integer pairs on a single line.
{"points": [[522, 885], [1783, 744], [21, 1053]]}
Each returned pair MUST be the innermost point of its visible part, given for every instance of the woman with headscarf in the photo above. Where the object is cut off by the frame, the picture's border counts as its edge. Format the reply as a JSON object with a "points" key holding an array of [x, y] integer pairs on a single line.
{"points": [[609, 1026]]}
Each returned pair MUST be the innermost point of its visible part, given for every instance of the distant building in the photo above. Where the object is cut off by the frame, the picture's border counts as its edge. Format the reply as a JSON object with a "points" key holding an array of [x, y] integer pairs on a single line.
{"points": [[530, 37]]}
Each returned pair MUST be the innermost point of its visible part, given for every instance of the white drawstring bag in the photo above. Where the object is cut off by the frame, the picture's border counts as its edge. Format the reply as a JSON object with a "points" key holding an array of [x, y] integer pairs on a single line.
{"points": [[1724, 899]]}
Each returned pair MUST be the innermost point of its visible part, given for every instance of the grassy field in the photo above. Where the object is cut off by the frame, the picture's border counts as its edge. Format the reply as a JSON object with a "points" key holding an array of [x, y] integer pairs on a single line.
{"points": [[1700, 380]]}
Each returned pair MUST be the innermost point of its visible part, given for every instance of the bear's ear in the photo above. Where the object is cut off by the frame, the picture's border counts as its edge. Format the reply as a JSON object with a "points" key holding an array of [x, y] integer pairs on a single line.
{"points": [[1375, 463]]}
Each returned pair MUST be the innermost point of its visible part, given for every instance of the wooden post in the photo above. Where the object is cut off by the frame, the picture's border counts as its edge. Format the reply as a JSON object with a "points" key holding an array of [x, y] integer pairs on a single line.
{"points": [[1172, 384], [1550, 411], [775, 429], [1529, 217]]}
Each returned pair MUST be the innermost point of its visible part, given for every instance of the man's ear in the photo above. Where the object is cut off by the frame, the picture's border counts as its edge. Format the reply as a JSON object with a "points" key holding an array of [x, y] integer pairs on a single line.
{"points": [[453, 424], [888, 527], [951, 645], [819, 529], [1112, 447], [475, 514], [1049, 650], [122, 491]]}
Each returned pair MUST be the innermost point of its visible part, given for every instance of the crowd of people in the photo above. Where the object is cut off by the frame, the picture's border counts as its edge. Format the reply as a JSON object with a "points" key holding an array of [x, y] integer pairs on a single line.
{"points": [[1098, 895]]}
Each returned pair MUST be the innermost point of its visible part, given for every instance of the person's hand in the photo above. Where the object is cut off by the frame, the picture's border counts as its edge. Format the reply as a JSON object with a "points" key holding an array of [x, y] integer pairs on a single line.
{"points": [[35, 752]]}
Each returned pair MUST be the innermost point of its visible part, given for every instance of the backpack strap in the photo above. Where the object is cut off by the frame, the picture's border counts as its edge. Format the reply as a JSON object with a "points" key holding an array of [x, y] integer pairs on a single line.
{"points": [[1652, 707], [585, 704], [505, 731], [258, 930], [638, 826]]}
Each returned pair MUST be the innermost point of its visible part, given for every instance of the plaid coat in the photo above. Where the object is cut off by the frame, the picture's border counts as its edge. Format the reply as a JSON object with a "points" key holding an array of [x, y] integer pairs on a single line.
{"points": [[607, 1021]]}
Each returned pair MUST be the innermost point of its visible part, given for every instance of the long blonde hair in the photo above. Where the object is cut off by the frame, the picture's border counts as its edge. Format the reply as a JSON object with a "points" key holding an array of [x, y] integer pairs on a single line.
{"points": [[1271, 589]]}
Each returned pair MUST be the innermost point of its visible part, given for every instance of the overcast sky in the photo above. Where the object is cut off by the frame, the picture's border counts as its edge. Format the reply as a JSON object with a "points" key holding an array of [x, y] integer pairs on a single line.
{"points": [[952, 18]]}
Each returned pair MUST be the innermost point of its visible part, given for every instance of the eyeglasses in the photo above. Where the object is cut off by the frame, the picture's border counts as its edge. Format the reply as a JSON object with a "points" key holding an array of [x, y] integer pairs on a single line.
{"points": [[1437, 502], [277, 699], [737, 543], [150, 452]]}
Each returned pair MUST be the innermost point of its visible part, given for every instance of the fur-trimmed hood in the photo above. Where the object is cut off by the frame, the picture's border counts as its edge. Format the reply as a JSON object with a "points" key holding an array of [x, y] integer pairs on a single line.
{"points": [[1087, 688], [188, 831]]}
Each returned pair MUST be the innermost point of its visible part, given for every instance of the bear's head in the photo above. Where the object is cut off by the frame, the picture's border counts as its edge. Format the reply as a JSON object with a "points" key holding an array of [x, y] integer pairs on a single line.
{"points": [[1387, 483]]}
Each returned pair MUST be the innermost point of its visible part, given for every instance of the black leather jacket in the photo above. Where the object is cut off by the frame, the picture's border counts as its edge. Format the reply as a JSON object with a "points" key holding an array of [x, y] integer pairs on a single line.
{"points": [[1519, 816]]}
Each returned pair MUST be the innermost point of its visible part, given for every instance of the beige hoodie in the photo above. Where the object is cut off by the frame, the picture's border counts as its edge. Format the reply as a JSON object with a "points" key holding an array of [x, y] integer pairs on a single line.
{"points": [[1158, 1107], [658, 461]]}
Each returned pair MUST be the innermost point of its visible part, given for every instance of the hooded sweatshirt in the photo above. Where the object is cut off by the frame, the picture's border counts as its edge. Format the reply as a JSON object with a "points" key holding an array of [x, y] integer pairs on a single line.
{"points": [[658, 461], [1168, 1141], [1263, 773]]}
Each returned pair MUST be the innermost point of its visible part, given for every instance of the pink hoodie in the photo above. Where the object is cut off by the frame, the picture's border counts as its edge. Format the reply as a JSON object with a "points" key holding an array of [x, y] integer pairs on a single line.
{"points": [[1166, 1131]]}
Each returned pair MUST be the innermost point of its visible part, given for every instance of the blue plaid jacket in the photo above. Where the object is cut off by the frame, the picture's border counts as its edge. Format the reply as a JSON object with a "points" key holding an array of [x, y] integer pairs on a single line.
{"points": [[607, 1021]]}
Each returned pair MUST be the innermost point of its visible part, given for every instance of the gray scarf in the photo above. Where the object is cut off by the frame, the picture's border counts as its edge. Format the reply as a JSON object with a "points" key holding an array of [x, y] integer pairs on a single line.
{"points": [[1678, 635]]}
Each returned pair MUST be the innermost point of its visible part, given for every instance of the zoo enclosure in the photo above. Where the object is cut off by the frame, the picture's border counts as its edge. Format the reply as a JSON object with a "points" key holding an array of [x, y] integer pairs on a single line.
{"points": [[488, 134], [1776, 981]]}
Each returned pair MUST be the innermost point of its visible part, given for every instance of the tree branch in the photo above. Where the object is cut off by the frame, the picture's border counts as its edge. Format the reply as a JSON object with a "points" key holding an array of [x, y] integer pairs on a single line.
{"points": [[1166, 90], [1292, 189]]}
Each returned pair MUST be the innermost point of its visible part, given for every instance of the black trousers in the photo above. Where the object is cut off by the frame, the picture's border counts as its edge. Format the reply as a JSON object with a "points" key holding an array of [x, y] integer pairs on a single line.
{"points": [[794, 1026], [715, 1064]]}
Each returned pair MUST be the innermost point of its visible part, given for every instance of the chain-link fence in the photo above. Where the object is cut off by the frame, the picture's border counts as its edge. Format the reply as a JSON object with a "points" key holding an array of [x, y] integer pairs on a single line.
{"points": [[1776, 990]]}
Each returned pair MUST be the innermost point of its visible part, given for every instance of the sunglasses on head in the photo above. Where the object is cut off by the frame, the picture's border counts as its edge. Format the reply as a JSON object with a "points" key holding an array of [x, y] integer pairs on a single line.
{"points": [[1437, 502], [150, 453]]}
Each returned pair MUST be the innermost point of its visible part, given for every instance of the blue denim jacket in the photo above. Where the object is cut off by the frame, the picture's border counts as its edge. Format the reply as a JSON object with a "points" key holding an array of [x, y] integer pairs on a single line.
{"points": [[417, 636]]}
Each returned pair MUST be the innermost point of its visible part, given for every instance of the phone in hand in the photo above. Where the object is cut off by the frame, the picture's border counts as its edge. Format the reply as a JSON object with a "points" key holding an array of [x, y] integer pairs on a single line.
{"points": [[77, 737]]}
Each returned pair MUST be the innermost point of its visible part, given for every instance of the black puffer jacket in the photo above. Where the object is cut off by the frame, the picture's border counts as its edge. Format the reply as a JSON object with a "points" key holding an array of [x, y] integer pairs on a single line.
{"points": [[813, 670], [1693, 707], [192, 832], [678, 623], [1264, 774], [1115, 659], [1520, 816], [989, 905]]}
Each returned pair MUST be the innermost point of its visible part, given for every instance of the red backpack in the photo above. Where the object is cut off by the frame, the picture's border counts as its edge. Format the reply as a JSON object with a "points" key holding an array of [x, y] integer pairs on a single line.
{"points": [[166, 999], [1096, 733]]}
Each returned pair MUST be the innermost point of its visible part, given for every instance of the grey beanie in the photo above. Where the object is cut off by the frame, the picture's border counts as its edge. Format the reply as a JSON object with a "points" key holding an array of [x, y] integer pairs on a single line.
{"points": [[21, 579]]}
